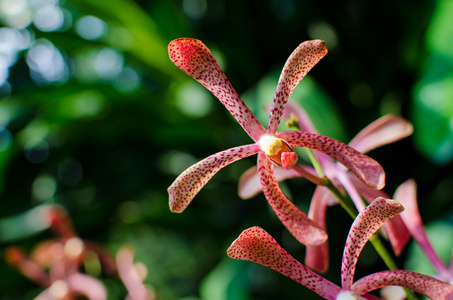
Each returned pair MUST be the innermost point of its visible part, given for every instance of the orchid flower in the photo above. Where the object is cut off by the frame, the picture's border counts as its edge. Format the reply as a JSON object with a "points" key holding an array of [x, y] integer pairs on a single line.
{"points": [[273, 148], [255, 244], [385, 130], [407, 195], [55, 264]]}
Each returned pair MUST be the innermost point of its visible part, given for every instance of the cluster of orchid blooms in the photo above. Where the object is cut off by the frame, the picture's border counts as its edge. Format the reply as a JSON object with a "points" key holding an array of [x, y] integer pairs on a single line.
{"points": [[342, 173], [56, 264]]}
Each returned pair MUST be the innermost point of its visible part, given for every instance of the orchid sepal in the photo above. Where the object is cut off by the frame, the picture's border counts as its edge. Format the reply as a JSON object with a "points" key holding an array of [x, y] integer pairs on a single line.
{"points": [[364, 226], [189, 183], [194, 58], [419, 283], [297, 222], [301, 60], [364, 167], [256, 245]]}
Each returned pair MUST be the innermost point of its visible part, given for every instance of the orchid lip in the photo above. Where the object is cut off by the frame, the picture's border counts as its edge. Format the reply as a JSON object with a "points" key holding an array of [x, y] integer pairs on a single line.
{"points": [[278, 151]]}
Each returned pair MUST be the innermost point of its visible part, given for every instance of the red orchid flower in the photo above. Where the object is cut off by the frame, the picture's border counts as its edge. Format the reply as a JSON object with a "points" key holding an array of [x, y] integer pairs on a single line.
{"points": [[272, 147], [255, 244]]}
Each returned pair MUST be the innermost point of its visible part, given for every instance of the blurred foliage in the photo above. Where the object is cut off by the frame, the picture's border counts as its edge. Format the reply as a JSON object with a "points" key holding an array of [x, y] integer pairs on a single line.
{"points": [[94, 117]]}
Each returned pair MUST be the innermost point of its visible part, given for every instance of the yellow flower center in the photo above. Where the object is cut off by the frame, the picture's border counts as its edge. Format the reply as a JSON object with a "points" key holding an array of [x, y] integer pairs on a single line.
{"points": [[278, 151]]}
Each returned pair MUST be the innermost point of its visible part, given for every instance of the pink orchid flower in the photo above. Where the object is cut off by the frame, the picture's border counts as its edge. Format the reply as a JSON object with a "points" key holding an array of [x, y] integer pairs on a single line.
{"points": [[385, 130], [406, 194], [273, 148], [255, 244], [56, 264]]}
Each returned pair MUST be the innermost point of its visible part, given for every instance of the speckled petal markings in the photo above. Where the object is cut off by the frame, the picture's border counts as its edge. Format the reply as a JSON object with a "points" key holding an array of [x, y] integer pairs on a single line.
{"points": [[365, 168], [255, 244], [194, 58], [419, 283], [363, 227], [385, 130], [406, 194], [297, 222], [189, 183], [303, 58]]}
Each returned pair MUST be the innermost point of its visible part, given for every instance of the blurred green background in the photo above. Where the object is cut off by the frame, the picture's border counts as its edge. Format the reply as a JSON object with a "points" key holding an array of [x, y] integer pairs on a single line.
{"points": [[95, 117]]}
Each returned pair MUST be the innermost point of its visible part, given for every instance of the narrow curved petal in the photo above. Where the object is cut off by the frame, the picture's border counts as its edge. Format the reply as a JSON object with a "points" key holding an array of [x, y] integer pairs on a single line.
{"points": [[365, 168], [250, 185], [189, 183], [406, 194], [385, 130], [129, 274], [364, 226], [396, 230], [303, 58], [317, 257], [86, 285], [297, 222], [195, 59], [255, 244], [419, 283]]}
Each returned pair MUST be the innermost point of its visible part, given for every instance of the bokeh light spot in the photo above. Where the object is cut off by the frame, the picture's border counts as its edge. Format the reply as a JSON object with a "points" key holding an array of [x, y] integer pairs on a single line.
{"points": [[70, 171], [15, 13], [127, 80], [37, 151], [49, 18], [195, 9], [44, 187], [130, 212], [193, 100], [46, 63], [91, 28], [108, 63]]}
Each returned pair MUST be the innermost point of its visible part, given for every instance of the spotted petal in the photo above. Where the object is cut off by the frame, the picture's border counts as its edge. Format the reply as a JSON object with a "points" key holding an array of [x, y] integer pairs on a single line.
{"points": [[189, 183], [250, 186], [195, 59], [385, 130], [396, 230], [255, 244], [365, 168], [303, 58], [419, 283], [317, 257], [364, 226], [297, 222], [406, 194]]}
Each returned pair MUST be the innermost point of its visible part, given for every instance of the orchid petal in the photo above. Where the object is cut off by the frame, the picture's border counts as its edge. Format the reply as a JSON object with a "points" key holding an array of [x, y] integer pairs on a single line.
{"points": [[303, 58], [317, 257], [364, 226], [250, 185], [365, 168], [129, 274], [385, 130], [195, 59], [406, 194], [396, 230], [189, 183], [86, 285], [419, 283], [17, 258], [255, 244], [297, 222]]}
